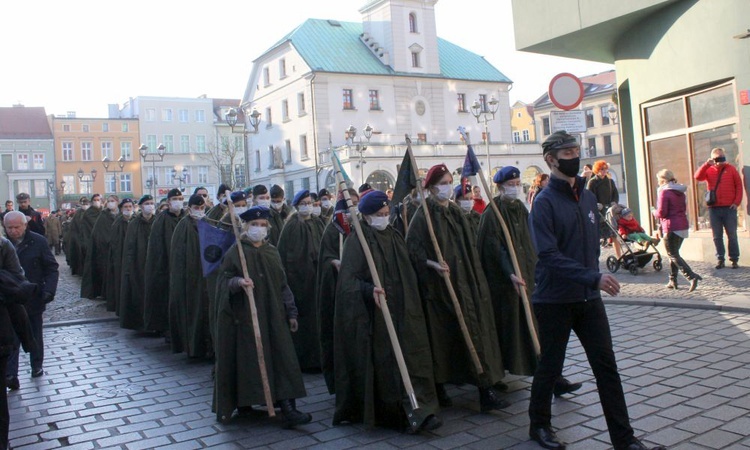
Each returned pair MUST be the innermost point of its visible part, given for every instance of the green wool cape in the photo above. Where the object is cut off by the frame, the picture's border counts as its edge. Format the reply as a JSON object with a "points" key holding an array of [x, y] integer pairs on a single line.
{"points": [[72, 246], [95, 266], [369, 388], [188, 294], [473, 219], [216, 212], [85, 229], [114, 267], [299, 245], [450, 353], [156, 302], [237, 381], [277, 224], [132, 287], [510, 319]]}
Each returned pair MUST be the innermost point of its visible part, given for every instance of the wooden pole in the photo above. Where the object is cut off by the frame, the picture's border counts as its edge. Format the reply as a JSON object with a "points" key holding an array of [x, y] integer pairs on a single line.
{"points": [[440, 260], [253, 311], [376, 280]]}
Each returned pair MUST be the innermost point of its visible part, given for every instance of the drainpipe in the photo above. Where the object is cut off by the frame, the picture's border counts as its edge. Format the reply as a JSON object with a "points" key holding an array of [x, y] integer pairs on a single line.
{"points": [[315, 132]]}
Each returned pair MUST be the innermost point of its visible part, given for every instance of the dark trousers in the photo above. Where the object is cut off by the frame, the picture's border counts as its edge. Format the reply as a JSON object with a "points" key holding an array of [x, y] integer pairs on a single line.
{"points": [[673, 243], [590, 323], [36, 357], [4, 415], [724, 218]]}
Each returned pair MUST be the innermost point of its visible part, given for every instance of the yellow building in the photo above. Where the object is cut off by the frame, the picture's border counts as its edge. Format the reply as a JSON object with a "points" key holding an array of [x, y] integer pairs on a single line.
{"points": [[81, 145], [522, 123]]}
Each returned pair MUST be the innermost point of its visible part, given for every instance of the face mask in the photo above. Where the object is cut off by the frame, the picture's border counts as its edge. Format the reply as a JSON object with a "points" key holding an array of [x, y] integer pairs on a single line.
{"points": [[240, 209], [277, 205], [148, 209], [512, 191], [720, 159], [112, 206], [256, 234], [316, 211], [265, 203], [569, 167], [96, 203], [175, 205], [379, 223], [325, 204], [466, 205], [444, 192], [85, 207], [305, 210], [197, 213]]}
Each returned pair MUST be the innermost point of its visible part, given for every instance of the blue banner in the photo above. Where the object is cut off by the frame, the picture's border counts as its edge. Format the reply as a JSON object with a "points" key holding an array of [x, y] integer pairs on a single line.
{"points": [[214, 244]]}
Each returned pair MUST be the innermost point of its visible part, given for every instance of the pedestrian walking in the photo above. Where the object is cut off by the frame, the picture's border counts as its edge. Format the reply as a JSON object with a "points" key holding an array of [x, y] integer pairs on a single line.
{"points": [[53, 231], [35, 222]]}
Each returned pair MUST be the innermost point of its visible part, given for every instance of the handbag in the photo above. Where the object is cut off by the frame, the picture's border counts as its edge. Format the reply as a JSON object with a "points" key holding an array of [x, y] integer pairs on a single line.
{"points": [[710, 196]]}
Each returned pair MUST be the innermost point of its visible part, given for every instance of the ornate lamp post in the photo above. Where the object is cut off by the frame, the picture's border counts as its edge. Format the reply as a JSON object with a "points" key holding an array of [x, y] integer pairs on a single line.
{"points": [[485, 113], [360, 148], [152, 158], [120, 163], [231, 118], [182, 178], [88, 178], [54, 193]]}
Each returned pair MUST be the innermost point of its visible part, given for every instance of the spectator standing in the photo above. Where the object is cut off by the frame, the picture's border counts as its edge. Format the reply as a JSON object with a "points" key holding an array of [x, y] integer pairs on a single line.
{"points": [[540, 181], [54, 231], [35, 222], [479, 203]]}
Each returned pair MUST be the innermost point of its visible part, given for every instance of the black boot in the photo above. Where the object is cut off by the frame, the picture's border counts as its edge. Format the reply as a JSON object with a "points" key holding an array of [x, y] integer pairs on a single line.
{"points": [[672, 282], [563, 386], [291, 416], [489, 400], [443, 399]]}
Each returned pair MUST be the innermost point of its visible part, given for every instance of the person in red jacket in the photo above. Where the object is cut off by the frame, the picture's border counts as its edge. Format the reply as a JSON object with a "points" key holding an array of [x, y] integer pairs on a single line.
{"points": [[629, 228], [479, 203], [723, 213]]}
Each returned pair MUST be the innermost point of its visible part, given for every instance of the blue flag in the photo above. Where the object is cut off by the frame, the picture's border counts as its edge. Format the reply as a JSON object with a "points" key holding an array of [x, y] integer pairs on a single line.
{"points": [[214, 245], [471, 163]]}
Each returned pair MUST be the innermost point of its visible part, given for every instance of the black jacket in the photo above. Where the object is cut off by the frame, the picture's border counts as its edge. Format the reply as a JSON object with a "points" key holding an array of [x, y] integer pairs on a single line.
{"points": [[40, 267], [13, 318], [35, 222]]}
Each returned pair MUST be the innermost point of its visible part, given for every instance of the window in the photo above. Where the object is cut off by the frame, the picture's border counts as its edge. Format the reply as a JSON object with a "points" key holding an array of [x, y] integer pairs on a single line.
{"points": [[24, 186], [184, 143], [84, 185], [200, 115], [67, 151], [125, 127], [348, 100], [168, 143], [421, 138], [518, 114], [183, 115], [301, 103], [303, 147], [257, 160], [38, 161], [200, 144], [225, 143], [589, 118], [85, 128], [151, 143], [238, 143], [516, 137], [70, 184], [592, 147], [306, 183], [461, 102], [526, 136], [107, 150], [607, 144], [266, 76], [66, 127], [545, 126], [202, 174], [105, 127], [413, 23], [605, 114], [40, 188], [374, 100], [166, 115], [270, 156], [285, 110], [22, 162], [126, 150], [483, 102], [269, 121], [110, 182], [152, 175], [288, 148], [150, 115], [85, 151], [126, 182], [289, 189], [415, 59], [282, 68]]}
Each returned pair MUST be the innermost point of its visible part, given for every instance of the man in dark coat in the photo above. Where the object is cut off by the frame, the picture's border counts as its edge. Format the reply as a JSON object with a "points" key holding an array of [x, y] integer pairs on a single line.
{"points": [[326, 205], [40, 268], [156, 302], [237, 384], [135, 249], [450, 352], [369, 388], [299, 245], [35, 222], [220, 208], [261, 197], [53, 231], [97, 256], [188, 293], [114, 268], [76, 260], [278, 202]]}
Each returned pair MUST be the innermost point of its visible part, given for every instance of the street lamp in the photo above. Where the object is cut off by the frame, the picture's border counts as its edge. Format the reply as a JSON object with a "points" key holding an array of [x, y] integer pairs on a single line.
{"points": [[231, 118], [351, 133], [181, 179], [483, 114], [53, 191], [152, 158], [89, 178], [120, 163], [612, 113]]}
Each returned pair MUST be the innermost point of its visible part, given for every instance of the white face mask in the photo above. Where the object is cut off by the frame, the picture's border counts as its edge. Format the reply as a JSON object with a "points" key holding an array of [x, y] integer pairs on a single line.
{"points": [[444, 192], [316, 211], [112, 206], [325, 204], [175, 205], [466, 205], [96, 203], [256, 234], [305, 210], [197, 213], [148, 209], [379, 223], [510, 191], [85, 207], [127, 213], [240, 209], [265, 203], [277, 205]]}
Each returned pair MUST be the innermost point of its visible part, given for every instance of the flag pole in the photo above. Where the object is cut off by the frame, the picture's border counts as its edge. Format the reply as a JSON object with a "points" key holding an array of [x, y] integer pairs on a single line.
{"points": [[376, 280], [440, 260], [253, 311]]}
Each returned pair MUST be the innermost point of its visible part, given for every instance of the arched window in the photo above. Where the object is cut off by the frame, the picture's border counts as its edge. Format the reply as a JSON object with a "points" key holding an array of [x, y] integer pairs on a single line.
{"points": [[413, 23], [380, 180]]}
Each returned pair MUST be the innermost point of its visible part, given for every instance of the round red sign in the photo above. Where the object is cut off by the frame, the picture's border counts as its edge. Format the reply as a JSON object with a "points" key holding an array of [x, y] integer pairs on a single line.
{"points": [[565, 91]]}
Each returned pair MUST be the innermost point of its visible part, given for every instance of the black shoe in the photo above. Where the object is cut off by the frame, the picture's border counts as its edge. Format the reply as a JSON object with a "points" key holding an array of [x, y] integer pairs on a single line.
{"points": [[489, 400], [500, 387], [291, 416], [37, 373], [12, 383], [545, 437], [720, 264], [563, 386], [735, 265], [443, 399], [638, 445], [432, 422]]}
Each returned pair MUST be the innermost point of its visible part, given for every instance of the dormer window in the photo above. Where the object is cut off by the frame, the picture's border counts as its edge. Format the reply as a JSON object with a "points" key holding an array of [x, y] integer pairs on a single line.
{"points": [[413, 23], [415, 49], [415, 59]]}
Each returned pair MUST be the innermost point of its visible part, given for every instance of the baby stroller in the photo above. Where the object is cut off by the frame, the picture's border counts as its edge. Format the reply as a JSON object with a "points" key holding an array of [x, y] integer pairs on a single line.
{"points": [[634, 254]]}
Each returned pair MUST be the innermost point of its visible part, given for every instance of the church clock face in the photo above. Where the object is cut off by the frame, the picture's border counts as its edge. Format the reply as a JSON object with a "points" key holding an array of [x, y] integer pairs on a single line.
{"points": [[419, 107]]}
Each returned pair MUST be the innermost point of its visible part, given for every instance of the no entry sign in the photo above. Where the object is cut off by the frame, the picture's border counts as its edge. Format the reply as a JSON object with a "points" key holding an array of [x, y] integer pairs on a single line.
{"points": [[565, 91]]}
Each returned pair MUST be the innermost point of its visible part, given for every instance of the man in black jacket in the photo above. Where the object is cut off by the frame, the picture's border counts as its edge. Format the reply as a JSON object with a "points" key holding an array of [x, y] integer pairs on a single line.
{"points": [[41, 268], [35, 222]]}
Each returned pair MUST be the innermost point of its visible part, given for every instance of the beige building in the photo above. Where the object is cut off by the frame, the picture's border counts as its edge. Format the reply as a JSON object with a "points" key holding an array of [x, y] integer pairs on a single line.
{"points": [[522, 128]]}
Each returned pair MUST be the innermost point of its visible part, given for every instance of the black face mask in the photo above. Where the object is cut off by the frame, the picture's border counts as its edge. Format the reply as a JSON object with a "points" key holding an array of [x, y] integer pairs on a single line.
{"points": [[720, 159], [569, 167]]}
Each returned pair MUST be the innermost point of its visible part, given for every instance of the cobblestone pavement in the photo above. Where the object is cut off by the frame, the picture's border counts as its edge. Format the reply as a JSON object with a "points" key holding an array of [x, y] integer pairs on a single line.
{"points": [[68, 304]]}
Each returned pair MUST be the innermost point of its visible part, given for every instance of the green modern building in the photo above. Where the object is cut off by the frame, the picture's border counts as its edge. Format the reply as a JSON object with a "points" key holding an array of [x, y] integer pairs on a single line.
{"points": [[683, 82]]}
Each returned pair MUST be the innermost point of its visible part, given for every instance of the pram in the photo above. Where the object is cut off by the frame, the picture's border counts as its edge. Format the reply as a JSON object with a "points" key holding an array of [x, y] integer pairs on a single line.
{"points": [[634, 255]]}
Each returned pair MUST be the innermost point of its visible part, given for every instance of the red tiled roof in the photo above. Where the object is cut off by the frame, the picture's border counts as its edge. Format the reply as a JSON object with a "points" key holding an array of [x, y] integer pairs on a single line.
{"points": [[608, 77], [21, 122]]}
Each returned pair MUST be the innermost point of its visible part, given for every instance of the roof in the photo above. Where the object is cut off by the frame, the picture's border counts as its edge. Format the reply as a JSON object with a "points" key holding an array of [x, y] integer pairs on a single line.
{"points": [[593, 85], [21, 122], [220, 103], [333, 46]]}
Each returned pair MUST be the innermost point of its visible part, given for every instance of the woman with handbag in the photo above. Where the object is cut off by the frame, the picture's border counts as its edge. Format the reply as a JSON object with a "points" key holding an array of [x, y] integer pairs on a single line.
{"points": [[671, 210]]}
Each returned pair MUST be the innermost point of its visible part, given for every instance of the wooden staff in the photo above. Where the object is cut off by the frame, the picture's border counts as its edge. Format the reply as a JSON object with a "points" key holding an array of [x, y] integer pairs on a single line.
{"points": [[440, 260], [253, 311], [376, 280], [513, 257]]}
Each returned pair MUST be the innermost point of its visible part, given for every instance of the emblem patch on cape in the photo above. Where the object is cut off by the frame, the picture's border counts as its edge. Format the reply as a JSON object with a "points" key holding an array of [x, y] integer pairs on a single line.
{"points": [[592, 217]]}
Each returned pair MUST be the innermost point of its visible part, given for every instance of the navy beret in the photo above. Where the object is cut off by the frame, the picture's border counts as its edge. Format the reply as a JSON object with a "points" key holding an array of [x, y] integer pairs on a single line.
{"points": [[255, 213], [174, 192], [144, 199], [124, 201], [505, 174], [304, 193], [461, 191], [364, 188], [238, 196], [340, 206], [259, 189], [196, 200], [372, 202]]}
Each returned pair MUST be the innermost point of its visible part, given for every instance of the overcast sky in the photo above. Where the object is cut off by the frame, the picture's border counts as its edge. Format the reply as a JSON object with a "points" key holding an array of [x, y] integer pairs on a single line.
{"points": [[80, 55]]}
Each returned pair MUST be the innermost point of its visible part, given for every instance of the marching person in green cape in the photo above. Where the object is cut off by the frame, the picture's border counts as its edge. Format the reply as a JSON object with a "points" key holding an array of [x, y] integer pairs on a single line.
{"points": [[85, 228], [116, 245], [261, 197], [299, 245], [463, 196], [278, 202], [134, 251], [156, 302], [237, 384], [452, 358], [188, 293], [220, 208], [514, 335], [369, 388], [329, 265], [72, 238], [326, 205], [97, 257], [316, 211]]}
